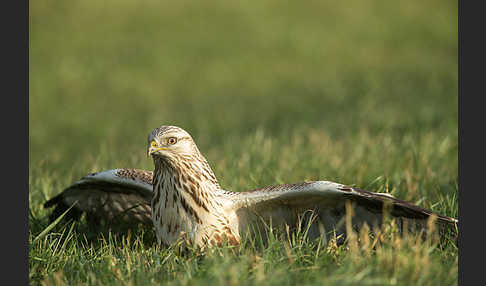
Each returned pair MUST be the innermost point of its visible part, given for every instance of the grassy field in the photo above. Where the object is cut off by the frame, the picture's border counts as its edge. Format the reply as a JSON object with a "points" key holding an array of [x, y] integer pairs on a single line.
{"points": [[361, 92]]}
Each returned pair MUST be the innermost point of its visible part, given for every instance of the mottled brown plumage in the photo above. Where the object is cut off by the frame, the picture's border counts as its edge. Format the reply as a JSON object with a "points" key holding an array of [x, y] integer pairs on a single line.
{"points": [[185, 200]]}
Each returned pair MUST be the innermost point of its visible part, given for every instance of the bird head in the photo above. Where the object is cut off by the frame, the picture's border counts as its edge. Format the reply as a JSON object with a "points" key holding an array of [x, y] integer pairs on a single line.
{"points": [[175, 147], [169, 142]]}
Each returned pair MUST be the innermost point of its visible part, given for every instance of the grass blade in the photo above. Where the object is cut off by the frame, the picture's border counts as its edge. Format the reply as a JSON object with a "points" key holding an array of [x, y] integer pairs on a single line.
{"points": [[53, 224]]}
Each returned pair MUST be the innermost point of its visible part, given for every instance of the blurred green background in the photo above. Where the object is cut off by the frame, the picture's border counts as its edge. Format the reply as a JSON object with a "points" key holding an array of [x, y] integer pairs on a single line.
{"points": [[372, 82]]}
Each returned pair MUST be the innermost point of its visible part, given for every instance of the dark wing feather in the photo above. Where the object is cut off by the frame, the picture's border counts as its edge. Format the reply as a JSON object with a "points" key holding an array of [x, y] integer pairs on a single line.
{"points": [[113, 195], [286, 204]]}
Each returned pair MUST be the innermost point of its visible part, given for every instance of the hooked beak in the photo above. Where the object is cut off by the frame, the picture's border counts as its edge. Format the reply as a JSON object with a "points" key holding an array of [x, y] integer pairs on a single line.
{"points": [[152, 150]]}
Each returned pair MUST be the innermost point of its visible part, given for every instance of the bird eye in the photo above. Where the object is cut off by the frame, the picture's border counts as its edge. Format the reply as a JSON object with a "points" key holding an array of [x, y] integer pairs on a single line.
{"points": [[171, 140]]}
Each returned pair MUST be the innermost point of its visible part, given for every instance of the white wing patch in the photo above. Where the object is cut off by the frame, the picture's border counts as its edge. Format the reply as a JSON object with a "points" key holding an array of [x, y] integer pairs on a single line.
{"points": [[291, 191], [128, 177]]}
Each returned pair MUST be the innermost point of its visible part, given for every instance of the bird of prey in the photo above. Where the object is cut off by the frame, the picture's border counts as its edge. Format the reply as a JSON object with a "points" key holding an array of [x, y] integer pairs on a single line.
{"points": [[183, 199]]}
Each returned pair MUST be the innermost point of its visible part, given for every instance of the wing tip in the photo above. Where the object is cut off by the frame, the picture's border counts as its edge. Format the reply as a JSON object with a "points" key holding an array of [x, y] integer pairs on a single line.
{"points": [[53, 201]]}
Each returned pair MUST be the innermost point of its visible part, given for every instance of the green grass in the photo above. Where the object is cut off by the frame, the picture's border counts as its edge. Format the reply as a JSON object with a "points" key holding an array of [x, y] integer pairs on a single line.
{"points": [[360, 92]]}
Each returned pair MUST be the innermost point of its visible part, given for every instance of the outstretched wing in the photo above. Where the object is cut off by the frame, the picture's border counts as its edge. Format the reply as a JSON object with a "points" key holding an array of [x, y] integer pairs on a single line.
{"points": [[118, 194], [326, 202]]}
